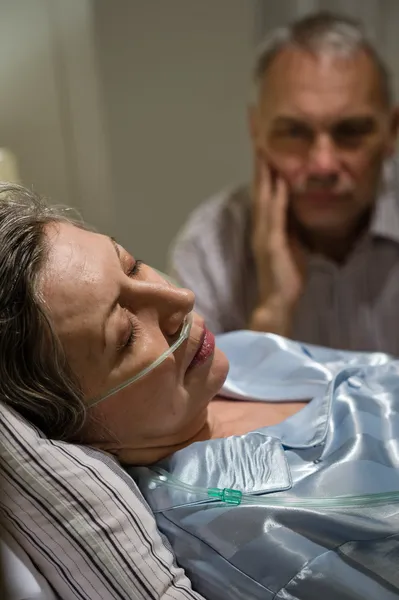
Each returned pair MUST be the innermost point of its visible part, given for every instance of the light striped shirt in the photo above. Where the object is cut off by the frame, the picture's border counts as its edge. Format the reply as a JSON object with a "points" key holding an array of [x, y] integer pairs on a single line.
{"points": [[354, 306]]}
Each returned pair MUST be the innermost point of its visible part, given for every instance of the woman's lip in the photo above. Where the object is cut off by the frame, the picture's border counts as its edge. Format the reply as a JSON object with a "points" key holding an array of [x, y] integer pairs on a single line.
{"points": [[205, 349]]}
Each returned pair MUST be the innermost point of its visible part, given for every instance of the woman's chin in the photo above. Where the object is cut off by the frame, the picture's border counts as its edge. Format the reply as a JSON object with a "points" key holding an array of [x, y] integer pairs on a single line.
{"points": [[219, 370]]}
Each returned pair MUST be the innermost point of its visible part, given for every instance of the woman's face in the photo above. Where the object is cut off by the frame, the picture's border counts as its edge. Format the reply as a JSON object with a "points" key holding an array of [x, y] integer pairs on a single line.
{"points": [[114, 317]]}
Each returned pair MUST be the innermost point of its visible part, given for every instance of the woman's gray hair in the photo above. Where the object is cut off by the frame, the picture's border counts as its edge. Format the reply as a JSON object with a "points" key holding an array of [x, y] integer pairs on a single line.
{"points": [[320, 33], [35, 378]]}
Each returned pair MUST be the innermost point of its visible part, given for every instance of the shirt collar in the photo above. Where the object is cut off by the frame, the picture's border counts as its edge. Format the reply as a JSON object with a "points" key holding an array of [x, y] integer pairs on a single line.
{"points": [[385, 221]]}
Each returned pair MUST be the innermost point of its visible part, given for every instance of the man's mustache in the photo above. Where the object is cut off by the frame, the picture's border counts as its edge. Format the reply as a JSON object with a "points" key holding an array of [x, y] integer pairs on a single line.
{"points": [[322, 185]]}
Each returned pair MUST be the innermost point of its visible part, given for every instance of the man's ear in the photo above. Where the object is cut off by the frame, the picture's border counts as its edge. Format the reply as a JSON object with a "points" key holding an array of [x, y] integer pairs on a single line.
{"points": [[393, 131]]}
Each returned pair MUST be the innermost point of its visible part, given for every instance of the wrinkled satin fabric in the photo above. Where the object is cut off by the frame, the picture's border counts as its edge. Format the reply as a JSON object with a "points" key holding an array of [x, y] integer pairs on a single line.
{"points": [[344, 442]]}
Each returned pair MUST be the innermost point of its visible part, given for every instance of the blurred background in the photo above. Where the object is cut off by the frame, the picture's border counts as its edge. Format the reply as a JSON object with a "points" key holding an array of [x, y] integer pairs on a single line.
{"points": [[134, 111]]}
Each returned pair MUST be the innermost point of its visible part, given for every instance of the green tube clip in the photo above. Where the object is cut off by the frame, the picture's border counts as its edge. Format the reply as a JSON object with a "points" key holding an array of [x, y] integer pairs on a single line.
{"points": [[226, 495]]}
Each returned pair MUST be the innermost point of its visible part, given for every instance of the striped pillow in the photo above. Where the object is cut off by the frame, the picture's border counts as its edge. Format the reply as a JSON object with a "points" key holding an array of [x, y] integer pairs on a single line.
{"points": [[81, 520]]}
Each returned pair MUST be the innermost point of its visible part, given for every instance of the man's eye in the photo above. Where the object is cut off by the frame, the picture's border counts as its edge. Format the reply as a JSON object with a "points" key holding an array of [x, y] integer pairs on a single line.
{"points": [[295, 131], [135, 269], [349, 131], [353, 133]]}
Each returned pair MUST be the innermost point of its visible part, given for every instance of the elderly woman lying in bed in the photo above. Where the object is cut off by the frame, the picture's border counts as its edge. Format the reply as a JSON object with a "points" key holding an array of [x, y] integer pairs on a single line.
{"points": [[98, 348]]}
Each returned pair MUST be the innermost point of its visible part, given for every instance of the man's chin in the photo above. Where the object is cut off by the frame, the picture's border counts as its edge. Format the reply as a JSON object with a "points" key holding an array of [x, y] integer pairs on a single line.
{"points": [[320, 213], [324, 224], [329, 221]]}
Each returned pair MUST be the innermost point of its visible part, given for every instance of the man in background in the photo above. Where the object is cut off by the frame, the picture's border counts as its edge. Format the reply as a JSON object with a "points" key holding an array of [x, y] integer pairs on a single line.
{"points": [[310, 249]]}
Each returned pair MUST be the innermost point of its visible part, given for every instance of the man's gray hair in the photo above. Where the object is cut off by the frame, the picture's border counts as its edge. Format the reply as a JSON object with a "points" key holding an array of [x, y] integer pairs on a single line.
{"points": [[320, 33], [35, 378]]}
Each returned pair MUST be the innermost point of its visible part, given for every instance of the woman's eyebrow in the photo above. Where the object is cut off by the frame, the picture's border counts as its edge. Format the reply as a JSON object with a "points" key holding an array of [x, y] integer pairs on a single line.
{"points": [[116, 247]]}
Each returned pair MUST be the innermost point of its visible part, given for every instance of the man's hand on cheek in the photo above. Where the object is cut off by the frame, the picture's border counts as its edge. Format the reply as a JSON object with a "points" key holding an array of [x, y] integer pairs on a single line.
{"points": [[278, 255]]}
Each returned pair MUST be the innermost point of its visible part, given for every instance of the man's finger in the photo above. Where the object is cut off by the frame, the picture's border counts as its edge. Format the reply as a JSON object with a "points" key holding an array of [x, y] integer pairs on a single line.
{"points": [[264, 192], [278, 214]]}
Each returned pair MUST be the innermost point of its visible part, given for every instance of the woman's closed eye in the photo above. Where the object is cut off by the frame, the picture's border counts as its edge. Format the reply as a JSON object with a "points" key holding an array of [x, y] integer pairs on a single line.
{"points": [[132, 330], [135, 268]]}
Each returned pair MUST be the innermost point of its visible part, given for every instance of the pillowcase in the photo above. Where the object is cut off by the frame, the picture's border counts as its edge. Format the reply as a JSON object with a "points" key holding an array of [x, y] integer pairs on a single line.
{"points": [[81, 520], [21, 580]]}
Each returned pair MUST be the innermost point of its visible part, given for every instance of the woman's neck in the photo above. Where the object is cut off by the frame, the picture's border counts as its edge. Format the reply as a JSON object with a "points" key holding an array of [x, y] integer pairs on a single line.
{"points": [[151, 451], [222, 418]]}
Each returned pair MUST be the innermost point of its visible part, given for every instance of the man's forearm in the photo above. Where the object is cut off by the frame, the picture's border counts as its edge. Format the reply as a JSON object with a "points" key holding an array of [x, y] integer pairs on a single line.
{"points": [[272, 317]]}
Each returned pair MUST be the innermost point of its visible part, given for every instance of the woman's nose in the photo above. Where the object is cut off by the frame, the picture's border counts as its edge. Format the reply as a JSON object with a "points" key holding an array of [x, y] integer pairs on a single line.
{"points": [[174, 305], [151, 292]]}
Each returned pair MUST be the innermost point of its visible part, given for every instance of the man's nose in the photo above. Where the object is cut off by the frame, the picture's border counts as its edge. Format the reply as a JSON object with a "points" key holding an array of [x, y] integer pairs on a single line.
{"points": [[323, 158]]}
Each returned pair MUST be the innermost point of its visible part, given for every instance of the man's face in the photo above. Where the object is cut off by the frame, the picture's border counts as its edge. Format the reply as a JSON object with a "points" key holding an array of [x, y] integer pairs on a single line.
{"points": [[324, 125]]}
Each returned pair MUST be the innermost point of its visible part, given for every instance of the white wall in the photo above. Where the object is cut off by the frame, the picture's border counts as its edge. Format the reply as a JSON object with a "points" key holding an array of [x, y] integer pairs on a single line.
{"points": [[50, 115], [30, 121], [133, 111], [175, 85]]}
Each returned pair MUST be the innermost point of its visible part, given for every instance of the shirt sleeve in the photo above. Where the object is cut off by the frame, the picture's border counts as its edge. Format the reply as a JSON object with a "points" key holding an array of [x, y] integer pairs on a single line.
{"points": [[195, 267], [211, 257]]}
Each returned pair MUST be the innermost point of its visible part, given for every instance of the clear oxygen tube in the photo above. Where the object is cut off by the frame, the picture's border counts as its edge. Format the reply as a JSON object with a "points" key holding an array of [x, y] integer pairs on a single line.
{"points": [[160, 477], [183, 335]]}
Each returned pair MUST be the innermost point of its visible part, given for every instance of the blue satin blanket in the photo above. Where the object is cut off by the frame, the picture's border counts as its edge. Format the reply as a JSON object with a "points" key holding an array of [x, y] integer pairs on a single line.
{"points": [[344, 443]]}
